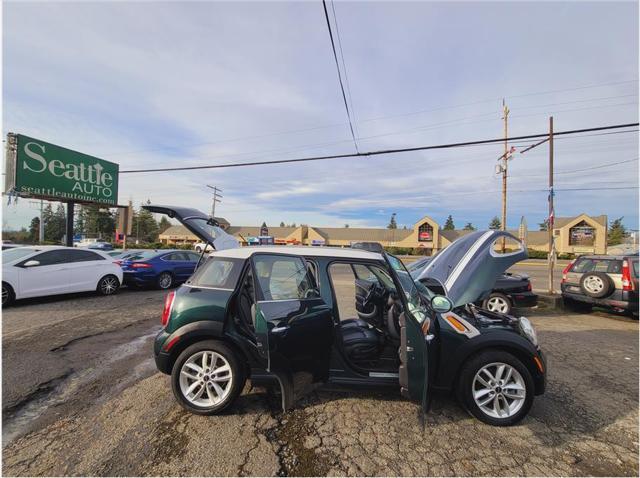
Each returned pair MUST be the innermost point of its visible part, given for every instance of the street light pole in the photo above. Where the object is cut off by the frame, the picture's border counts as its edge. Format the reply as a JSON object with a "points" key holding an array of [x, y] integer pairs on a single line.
{"points": [[551, 254]]}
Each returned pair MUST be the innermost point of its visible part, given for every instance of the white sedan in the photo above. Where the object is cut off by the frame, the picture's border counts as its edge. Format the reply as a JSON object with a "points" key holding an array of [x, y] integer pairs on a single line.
{"points": [[36, 271]]}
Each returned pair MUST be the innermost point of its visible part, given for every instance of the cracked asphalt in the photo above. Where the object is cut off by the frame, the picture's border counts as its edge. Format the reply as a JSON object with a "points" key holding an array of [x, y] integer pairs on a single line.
{"points": [[81, 397]]}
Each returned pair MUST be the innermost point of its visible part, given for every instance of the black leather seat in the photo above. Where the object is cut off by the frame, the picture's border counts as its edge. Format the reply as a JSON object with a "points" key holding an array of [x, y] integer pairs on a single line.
{"points": [[361, 341]]}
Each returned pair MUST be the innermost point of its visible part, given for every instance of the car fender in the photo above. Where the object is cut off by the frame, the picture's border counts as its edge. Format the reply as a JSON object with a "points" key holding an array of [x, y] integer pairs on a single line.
{"points": [[509, 341], [13, 279]]}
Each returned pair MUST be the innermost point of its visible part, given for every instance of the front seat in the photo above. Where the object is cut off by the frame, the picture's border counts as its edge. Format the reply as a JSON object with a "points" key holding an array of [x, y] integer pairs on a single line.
{"points": [[362, 343]]}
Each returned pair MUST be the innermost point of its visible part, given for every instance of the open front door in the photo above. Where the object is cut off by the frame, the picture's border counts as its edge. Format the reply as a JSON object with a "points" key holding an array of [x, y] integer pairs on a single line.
{"points": [[415, 321], [293, 325]]}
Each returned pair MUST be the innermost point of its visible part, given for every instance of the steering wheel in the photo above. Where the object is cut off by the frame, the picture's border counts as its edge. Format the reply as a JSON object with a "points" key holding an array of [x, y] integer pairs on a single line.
{"points": [[372, 294]]}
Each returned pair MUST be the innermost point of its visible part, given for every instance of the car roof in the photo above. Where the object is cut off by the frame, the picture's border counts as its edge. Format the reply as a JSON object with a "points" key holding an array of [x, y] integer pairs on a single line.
{"points": [[316, 251], [617, 257]]}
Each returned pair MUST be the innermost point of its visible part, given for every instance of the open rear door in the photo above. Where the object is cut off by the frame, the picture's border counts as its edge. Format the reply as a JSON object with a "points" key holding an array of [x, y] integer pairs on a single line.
{"points": [[293, 325]]}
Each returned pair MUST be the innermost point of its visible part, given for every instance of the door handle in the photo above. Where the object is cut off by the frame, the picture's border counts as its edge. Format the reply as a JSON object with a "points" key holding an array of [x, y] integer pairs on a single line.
{"points": [[409, 349], [277, 330], [429, 337]]}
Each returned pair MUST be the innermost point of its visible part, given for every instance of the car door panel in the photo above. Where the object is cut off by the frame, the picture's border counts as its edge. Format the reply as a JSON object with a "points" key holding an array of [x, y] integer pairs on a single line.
{"points": [[49, 278], [293, 334]]}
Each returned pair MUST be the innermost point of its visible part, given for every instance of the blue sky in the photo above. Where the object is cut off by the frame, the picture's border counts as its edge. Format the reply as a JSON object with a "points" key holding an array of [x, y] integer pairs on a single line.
{"points": [[153, 84]]}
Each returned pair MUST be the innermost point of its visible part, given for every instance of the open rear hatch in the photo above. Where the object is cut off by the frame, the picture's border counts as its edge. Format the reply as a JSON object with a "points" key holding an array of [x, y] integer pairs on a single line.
{"points": [[203, 226], [469, 267]]}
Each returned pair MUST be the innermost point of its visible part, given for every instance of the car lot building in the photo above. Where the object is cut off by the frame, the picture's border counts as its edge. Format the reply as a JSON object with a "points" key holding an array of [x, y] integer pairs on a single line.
{"points": [[573, 235]]}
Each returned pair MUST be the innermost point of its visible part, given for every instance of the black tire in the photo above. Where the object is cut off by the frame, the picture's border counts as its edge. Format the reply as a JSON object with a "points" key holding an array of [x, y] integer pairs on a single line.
{"points": [[600, 278], [8, 296], [465, 386], [237, 370], [499, 297], [108, 285], [574, 305], [165, 280], [198, 249]]}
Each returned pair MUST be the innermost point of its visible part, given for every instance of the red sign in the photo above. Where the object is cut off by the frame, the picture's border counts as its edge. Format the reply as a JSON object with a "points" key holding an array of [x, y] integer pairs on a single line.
{"points": [[424, 236]]}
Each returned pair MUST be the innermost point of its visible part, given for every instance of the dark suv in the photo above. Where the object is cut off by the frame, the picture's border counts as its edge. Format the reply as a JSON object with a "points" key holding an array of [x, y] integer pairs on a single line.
{"points": [[608, 281]]}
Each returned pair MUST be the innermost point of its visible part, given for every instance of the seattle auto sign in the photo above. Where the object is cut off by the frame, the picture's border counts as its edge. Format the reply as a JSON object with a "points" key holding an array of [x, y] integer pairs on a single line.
{"points": [[43, 170]]}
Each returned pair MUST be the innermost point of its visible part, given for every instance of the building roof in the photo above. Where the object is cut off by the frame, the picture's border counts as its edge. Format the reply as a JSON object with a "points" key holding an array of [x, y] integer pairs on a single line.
{"points": [[363, 234], [560, 222], [178, 231], [245, 252], [452, 235]]}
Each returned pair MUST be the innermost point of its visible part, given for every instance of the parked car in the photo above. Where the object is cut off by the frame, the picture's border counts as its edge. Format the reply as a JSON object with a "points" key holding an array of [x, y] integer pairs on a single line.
{"points": [[509, 291], [607, 281], [160, 268], [201, 246], [101, 246], [37, 271], [88, 241], [271, 313]]}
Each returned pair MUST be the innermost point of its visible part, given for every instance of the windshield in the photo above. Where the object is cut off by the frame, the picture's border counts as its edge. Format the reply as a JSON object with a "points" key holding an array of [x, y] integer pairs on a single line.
{"points": [[11, 255], [418, 265], [415, 293], [136, 256]]}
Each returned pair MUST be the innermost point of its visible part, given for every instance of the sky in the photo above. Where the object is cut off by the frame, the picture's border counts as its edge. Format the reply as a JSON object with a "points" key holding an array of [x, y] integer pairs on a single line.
{"points": [[165, 84]]}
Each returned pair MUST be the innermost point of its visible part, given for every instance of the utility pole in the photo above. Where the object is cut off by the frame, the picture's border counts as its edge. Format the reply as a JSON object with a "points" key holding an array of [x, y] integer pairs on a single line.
{"points": [[552, 253], [505, 162], [216, 198], [551, 259], [41, 228]]}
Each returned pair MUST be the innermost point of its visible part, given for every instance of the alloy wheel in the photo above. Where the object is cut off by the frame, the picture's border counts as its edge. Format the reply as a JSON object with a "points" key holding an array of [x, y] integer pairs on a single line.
{"points": [[5, 295], [206, 379], [165, 280], [498, 304], [499, 390], [109, 285]]}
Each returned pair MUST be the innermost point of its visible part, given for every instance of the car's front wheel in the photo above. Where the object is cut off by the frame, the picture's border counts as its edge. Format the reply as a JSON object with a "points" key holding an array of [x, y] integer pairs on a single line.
{"points": [[165, 280], [497, 302], [8, 295], [207, 377], [108, 285], [496, 388]]}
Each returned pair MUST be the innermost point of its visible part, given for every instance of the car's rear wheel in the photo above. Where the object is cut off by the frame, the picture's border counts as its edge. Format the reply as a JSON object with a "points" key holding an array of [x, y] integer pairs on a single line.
{"points": [[8, 296], [165, 280], [207, 377], [497, 302], [108, 285], [496, 388], [596, 284], [198, 249]]}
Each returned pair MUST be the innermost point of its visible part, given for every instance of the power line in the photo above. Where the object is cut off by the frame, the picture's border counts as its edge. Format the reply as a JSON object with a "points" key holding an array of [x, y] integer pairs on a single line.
{"points": [[379, 118], [335, 57], [579, 170], [378, 152]]}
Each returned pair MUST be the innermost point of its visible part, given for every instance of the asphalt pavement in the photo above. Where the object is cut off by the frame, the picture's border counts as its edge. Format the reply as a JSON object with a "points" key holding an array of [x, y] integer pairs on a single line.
{"points": [[81, 397]]}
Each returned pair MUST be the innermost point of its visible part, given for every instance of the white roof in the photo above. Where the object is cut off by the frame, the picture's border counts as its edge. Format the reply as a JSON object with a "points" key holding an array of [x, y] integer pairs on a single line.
{"points": [[318, 251]]}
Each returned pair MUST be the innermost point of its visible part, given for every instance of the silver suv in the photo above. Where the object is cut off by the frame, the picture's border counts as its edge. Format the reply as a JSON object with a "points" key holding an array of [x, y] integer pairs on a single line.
{"points": [[609, 281]]}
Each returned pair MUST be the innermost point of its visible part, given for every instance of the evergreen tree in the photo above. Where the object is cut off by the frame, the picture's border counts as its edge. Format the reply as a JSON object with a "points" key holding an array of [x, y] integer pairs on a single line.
{"points": [[163, 225], [544, 225], [144, 226], [449, 225], [54, 227], [346, 226], [469, 227], [392, 223], [34, 230], [282, 224], [617, 232], [495, 223]]}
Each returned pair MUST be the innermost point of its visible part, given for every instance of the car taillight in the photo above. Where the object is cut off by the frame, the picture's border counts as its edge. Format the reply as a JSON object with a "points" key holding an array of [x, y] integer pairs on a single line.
{"points": [[529, 288], [168, 306], [566, 270], [140, 265], [118, 262], [627, 283]]}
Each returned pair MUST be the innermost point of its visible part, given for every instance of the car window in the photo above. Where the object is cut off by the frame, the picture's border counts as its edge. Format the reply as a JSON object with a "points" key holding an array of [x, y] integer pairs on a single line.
{"points": [[174, 256], [615, 267], [11, 255], [192, 256], [283, 278], [73, 255], [49, 258], [218, 272], [582, 266], [634, 267], [364, 273]]}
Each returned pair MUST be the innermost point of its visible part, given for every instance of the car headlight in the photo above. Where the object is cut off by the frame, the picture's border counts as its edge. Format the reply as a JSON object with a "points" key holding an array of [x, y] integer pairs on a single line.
{"points": [[528, 330]]}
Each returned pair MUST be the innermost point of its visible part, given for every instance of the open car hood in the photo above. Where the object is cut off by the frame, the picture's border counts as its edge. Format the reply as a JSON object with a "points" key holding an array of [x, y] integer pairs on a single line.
{"points": [[469, 267], [199, 223]]}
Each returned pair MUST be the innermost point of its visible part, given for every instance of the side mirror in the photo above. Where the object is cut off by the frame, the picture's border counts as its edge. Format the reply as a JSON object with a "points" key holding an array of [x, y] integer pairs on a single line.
{"points": [[441, 304], [31, 263]]}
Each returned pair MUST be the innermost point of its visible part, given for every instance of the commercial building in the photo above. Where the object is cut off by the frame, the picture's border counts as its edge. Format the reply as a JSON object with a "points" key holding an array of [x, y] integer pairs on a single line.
{"points": [[573, 235]]}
